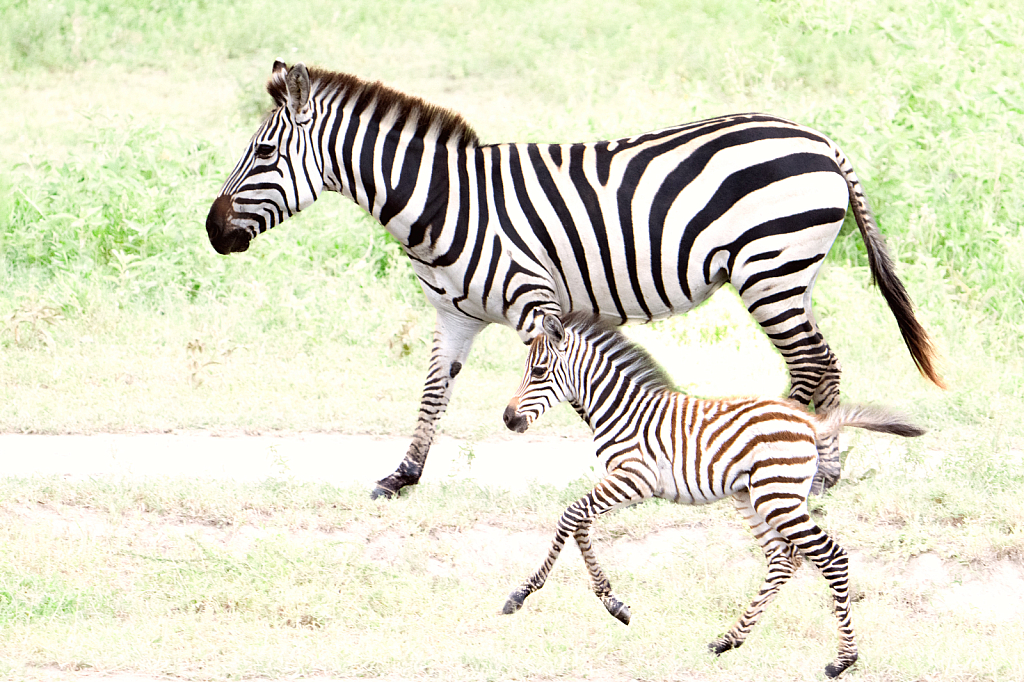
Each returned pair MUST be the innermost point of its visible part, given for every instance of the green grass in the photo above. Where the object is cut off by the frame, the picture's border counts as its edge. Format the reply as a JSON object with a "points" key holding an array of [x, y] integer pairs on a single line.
{"points": [[123, 118]]}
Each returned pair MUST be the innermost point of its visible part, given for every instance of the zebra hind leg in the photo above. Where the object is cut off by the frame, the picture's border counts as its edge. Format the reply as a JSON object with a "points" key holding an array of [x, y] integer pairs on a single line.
{"points": [[812, 366], [602, 586], [783, 560], [830, 558]]}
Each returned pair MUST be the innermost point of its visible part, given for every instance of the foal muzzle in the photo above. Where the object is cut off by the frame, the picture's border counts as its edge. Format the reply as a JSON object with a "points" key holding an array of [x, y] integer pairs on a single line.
{"points": [[515, 421]]}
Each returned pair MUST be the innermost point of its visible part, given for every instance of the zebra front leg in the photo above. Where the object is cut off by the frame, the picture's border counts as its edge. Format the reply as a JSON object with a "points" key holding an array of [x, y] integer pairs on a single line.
{"points": [[602, 586], [453, 338], [783, 560], [566, 525], [608, 494]]}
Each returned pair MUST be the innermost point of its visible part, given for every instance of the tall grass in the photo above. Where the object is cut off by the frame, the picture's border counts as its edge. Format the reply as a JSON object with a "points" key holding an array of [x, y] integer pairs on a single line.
{"points": [[921, 96], [127, 208]]}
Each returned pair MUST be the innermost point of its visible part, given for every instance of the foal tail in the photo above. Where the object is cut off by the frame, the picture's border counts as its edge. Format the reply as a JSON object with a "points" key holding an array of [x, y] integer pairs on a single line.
{"points": [[865, 417]]}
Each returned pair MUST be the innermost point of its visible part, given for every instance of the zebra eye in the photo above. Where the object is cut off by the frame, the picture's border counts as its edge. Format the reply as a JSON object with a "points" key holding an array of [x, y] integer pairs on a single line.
{"points": [[538, 371], [264, 151]]}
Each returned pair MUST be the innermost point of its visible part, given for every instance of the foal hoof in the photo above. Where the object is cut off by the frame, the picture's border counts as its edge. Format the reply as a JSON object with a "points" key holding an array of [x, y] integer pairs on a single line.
{"points": [[836, 669], [617, 609], [514, 603], [721, 645]]}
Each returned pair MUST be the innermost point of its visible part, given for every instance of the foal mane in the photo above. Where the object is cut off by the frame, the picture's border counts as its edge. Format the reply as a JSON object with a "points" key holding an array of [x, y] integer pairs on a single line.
{"points": [[632, 359]]}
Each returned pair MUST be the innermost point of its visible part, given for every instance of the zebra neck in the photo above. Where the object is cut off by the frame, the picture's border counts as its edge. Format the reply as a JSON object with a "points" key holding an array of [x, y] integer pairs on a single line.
{"points": [[400, 170], [608, 404]]}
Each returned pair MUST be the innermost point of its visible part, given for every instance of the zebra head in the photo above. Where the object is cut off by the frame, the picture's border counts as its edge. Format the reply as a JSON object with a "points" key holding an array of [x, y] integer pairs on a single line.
{"points": [[280, 173], [545, 382]]}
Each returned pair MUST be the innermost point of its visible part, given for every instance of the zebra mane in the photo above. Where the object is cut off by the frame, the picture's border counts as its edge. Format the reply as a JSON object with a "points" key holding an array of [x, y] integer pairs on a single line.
{"points": [[633, 359], [451, 125]]}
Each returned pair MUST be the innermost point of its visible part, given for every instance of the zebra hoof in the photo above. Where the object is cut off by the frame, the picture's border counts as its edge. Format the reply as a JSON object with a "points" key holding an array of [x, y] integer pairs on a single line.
{"points": [[380, 493], [833, 670], [723, 644], [617, 609], [514, 603]]}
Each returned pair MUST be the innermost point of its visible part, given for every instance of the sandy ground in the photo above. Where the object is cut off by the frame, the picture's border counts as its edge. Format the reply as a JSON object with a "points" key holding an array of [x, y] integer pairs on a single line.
{"points": [[332, 458]]}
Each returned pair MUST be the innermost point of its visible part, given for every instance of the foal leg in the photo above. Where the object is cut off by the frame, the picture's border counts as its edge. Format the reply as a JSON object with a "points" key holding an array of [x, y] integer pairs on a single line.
{"points": [[783, 560], [602, 586], [608, 494], [796, 525]]}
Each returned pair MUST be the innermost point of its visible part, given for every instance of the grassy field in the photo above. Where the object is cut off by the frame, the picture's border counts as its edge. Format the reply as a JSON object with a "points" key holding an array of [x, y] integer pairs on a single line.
{"points": [[121, 121]]}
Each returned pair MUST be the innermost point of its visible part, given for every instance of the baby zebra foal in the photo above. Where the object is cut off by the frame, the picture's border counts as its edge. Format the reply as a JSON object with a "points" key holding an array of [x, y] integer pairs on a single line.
{"points": [[656, 442]]}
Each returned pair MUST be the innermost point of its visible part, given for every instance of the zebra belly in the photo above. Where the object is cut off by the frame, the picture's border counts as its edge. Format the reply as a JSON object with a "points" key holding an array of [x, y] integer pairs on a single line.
{"points": [[674, 486]]}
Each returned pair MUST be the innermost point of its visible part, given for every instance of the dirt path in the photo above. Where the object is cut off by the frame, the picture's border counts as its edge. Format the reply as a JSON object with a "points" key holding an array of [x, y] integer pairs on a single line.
{"points": [[334, 458]]}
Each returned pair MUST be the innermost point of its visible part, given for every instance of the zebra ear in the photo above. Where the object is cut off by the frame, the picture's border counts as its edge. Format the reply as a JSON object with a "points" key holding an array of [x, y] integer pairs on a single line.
{"points": [[297, 81], [553, 329], [276, 86]]}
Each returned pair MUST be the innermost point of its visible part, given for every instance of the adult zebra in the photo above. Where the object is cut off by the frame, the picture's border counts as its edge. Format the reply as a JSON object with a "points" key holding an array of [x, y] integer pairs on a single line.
{"points": [[634, 229], [655, 442]]}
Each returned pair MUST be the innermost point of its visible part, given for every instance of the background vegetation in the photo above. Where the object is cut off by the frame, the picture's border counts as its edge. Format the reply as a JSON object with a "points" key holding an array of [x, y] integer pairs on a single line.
{"points": [[121, 120]]}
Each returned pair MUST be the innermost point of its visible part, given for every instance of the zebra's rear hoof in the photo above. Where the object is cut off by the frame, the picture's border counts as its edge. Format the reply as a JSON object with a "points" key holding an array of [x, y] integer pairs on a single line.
{"points": [[617, 609], [837, 668]]}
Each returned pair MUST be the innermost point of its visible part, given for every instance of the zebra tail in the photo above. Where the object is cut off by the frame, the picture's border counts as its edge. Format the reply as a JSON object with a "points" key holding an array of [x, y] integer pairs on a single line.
{"points": [[883, 274], [865, 417]]}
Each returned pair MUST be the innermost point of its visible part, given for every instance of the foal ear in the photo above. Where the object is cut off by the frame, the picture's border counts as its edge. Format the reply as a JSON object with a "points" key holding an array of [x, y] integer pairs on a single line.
{"points": [[554, 330], [297, 81]]}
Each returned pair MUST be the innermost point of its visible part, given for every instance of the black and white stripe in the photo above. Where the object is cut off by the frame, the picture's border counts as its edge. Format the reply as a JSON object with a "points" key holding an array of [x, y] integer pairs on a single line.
{"points": [[632, 230], [656, 442]]}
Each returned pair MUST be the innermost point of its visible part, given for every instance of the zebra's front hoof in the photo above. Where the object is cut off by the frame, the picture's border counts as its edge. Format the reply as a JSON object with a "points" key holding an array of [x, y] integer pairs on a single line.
{"points": [[389, 487], [382, 493], [836, 669], [723, 644], [617, 609], [514, 603]]}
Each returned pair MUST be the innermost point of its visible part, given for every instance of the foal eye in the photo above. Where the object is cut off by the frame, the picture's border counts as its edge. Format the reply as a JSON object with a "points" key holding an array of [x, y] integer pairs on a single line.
{"points": [[539, 371], [264, 151]]}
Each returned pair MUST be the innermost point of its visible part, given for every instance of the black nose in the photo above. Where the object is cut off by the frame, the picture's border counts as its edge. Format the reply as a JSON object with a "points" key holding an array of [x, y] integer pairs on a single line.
{"points": [[224, 240], [515, 422]]}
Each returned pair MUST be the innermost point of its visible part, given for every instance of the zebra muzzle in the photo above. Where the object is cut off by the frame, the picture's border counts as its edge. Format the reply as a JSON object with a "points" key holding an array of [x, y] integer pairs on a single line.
{"points": [[225, 238], [515, 421]]}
